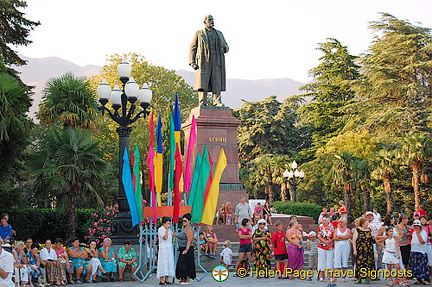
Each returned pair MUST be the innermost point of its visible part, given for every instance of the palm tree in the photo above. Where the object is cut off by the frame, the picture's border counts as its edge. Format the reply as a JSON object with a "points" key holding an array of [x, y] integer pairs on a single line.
{"points": [[385, 165], [362, 180], [69, 167], [70, 101], [14, 123], [343, 174], [416, 150]]}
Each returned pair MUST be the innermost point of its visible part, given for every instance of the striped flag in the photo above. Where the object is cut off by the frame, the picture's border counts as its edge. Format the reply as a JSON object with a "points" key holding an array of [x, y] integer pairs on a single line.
{"points": [[136, 177], [213, 195], [203, 177], [188, 164], [128, 187], [177, 176], [150, 164], [158, 162]]}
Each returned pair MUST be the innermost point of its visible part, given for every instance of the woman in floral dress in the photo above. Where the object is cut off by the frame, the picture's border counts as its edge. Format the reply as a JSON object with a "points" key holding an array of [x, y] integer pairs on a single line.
{"points": [[363, 250], [262, 246], [127, 257], [107, 258]]}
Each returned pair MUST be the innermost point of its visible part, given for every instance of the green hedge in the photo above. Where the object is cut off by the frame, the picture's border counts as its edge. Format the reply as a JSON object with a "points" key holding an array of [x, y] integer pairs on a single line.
{"points": [[43, 223], [298, 208]]}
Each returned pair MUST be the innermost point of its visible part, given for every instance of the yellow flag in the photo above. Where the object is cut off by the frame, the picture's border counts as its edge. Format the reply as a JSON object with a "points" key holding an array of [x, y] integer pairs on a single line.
{"points": [[213, 195]]}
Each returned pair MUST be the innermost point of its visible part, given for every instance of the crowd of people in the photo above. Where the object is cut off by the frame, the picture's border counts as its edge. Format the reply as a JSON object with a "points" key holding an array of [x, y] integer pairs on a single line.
{"points": [[374, 244], [27, 263], [400, 246]]}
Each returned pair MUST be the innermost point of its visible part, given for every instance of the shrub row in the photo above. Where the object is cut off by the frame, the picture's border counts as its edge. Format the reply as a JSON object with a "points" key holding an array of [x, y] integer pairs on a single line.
{"points": [[43, 223], [298, 208]]}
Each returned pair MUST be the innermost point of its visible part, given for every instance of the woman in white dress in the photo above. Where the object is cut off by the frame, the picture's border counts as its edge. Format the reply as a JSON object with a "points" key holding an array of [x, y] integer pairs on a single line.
{"points": [[165, 268]]}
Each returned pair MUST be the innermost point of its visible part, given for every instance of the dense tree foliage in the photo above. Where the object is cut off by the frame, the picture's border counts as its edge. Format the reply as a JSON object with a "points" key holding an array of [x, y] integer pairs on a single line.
{"points": [[14, 30], [268, 129], [330, 92], [69, 167], [68, 101]]}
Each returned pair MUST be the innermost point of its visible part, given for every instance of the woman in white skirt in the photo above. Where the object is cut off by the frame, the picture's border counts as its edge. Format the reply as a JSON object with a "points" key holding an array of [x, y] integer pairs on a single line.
{"points": [[342, 249], [392, 254], [97, 268], [325, 248], [165, 268]]}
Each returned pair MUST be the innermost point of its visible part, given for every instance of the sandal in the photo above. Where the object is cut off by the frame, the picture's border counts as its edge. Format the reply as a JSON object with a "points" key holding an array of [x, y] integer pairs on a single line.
{"points": [[162, 283]]}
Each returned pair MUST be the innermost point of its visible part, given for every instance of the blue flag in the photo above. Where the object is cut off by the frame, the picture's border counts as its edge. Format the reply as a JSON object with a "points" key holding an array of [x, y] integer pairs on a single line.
{"points": [[129, 188]]}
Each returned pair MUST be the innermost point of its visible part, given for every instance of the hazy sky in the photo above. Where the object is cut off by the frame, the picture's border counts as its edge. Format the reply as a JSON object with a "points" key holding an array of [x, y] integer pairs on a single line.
{"points": [[267, 39]]}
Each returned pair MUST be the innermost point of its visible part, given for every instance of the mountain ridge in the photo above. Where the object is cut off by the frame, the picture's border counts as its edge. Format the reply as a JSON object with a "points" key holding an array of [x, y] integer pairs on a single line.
{"points": [[39, 70]]}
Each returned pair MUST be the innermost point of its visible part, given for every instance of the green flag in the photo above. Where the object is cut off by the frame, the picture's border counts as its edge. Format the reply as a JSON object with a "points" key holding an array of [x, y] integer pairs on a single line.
{"points": [[194, 180], [172, 153], [138, 192], [204, 173]]}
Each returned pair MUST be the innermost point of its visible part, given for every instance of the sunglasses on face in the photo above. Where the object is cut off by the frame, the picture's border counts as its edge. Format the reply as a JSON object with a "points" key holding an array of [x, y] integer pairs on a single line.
{"points": [[185, 220]]}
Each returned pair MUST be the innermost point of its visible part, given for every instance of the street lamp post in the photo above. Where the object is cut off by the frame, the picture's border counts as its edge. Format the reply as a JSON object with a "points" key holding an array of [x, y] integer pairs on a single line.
{"points": [[294, 177], [124, 115]]}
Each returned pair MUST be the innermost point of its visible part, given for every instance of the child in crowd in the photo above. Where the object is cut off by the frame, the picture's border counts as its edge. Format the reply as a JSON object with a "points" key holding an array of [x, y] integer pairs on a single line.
{"points": [[202, 243], [258, 212], [221, 215], [392, 253], [312, 247], [226, 254], [228, 213], [280, 250], [35, 270]]}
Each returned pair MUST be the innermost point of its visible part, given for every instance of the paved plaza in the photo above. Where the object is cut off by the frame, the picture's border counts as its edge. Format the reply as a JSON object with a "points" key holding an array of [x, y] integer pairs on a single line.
{"points": [[235, 281]]}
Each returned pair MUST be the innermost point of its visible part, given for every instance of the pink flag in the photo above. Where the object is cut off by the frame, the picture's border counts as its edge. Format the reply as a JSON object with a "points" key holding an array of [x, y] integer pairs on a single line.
{"points": [[210, 179], [188, 165], [150, 164], [177, 177]]}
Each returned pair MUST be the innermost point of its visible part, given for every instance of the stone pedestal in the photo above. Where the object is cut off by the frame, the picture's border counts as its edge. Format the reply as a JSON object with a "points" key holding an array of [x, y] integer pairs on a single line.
{"points": [[217, 128]]}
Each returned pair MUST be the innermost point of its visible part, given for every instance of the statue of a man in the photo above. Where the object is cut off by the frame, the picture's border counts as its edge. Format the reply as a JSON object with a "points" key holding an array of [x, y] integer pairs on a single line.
{"points": [[207, 57]]}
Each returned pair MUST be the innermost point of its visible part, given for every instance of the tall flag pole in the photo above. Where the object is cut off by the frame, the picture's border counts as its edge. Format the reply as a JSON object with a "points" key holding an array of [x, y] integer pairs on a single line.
{"points": [[136, 176], [177, 176], [128, 187], [158, 162], [188, 164], [150, 164], [213, 195]]}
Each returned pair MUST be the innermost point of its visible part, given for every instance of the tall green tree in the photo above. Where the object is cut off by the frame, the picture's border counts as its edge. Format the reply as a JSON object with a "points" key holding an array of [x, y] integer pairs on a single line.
{"points": [[330, 92], [343, 171], [269, 127], [69, 167], [267, 132], [395, 92], [14, 123], [68, 101], [416, 151], [14, 31], [385, 169]]}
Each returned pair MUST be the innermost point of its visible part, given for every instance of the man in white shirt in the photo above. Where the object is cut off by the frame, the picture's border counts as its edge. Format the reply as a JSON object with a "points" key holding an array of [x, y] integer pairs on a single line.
{"points": [[6, 267]]}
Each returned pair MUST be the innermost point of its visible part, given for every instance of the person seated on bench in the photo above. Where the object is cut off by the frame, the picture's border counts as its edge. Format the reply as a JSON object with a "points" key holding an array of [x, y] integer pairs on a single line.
{"points": [[127, 258]]}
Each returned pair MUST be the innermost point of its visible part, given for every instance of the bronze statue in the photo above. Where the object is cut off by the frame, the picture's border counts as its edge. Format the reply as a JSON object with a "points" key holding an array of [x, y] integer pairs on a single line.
{"points": [[207, 57]]}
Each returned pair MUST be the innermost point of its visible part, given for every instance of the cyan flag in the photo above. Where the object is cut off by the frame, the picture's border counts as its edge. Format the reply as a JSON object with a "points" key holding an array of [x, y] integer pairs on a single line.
{"points": [[129, 189]]}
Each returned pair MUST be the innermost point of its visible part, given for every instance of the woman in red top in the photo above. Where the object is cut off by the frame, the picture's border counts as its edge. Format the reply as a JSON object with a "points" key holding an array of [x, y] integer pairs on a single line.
{"points": [[280, 251], [245, 236], [343, 209]]}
